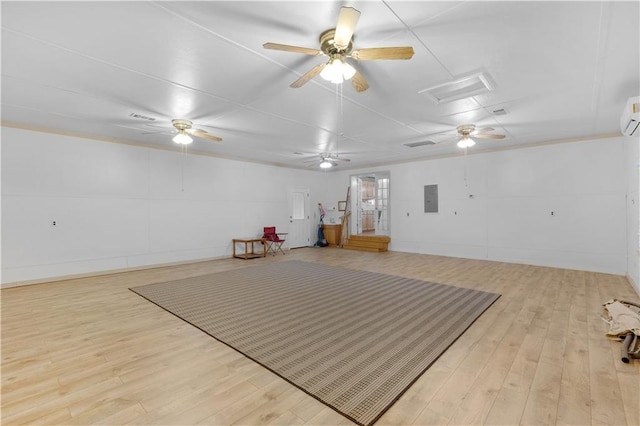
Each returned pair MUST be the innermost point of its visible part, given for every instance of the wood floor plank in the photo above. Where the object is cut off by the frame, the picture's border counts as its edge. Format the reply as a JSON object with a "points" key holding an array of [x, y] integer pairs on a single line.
{"points": [[449, 397], [606, 396], [574, 404], [630, 388], [542, 401], [273, 409], [192, 408], [328, 417], [89, 351], [286, 419], [480, 397], [258, 401], [35, 407], [58, 417], [512, 396], [407, 408], [307, 408]]}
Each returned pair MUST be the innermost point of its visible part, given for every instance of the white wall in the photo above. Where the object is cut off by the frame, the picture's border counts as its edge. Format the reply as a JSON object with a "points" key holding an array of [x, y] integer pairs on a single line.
{"points": [[118, 206], [509, 217], [633, 211]]}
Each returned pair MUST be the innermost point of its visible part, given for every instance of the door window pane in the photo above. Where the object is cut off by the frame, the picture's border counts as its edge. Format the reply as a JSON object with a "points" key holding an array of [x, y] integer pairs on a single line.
{"points": [[298, 206]]}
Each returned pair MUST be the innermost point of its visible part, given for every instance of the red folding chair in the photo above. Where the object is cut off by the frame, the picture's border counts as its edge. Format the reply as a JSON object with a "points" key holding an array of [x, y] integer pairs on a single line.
{"points": [[274, 240]]}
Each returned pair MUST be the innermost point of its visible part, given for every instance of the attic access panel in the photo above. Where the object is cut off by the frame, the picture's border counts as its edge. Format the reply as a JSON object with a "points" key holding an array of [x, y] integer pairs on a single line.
{"points": [[462, 88]]}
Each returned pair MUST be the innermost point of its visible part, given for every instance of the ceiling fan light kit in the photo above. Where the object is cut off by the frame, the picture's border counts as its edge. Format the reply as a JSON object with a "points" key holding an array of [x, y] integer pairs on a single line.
{"points": [[328, 160], [465, 131], [337, 44], [337, 70], [182, 138], [182, 126], [466, 142], [185, 132]]}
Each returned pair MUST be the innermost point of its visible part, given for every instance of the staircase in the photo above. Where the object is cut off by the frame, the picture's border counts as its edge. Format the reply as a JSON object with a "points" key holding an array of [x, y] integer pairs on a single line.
{"points": [[374, 243]]}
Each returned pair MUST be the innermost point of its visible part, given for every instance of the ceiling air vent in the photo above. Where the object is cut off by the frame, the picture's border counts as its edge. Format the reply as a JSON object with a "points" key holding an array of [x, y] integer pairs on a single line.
{"points": [[141, 117], [500, 111], [421, 143], [464, 87]]}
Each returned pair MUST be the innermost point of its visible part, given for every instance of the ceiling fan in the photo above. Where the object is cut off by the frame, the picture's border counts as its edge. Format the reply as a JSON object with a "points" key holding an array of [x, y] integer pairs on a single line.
{"points": [[337, 44], [327, 160], [466, 131], [185, 130]]}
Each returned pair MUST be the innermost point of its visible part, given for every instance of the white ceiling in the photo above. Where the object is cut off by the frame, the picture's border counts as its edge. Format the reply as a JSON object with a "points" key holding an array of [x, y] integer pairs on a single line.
{"points": [[561, 70]]}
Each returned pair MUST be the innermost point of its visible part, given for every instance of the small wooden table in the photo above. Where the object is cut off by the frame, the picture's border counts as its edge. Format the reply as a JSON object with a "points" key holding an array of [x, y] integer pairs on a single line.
{"points": [[332, 233], [249, 254]]}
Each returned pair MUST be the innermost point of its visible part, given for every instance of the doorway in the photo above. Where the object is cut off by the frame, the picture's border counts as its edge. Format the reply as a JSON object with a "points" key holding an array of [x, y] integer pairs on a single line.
{"points": [[299, 220], [370, 203]]}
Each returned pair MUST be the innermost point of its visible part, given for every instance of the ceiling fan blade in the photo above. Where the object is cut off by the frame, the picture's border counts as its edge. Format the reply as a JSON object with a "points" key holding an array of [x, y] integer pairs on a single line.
{"points": [[295, 49], [372, 53], [308, 76], [483, 130], [198, 133], [487, 136], [347, 21], [338, 159], [358, 82], [164, 132]]}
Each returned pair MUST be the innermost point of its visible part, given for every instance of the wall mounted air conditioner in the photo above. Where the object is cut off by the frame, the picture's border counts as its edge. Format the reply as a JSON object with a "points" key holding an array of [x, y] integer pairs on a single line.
{"points": [[630, 119]]}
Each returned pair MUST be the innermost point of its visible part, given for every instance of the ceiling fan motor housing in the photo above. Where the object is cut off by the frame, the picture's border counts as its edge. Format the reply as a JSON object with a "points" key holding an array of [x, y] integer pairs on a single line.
{"points": [[181, 124], [328, 46], [466, 129]]}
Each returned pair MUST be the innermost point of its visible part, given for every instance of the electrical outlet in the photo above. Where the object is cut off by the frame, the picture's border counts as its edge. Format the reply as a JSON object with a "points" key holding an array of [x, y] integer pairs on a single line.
{"points": [[53, 222]]}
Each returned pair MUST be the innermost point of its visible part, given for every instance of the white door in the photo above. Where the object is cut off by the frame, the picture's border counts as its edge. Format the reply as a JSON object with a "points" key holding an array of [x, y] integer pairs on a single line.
{"points": [[382, 204], [380, 201], [357, 214], [299, 220]]}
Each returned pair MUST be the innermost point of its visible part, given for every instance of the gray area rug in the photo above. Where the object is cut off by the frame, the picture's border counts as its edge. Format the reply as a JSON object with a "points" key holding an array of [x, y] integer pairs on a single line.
{"points": [[354, 340]]}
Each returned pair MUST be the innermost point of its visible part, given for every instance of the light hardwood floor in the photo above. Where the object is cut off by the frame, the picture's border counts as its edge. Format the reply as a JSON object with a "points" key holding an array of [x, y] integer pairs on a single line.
{"points": [[89, 351]]}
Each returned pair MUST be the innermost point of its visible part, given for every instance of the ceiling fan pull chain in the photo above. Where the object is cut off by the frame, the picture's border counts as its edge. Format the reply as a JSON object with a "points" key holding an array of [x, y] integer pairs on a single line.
{"points": [[466, 182], [183, 157], [341, 112]]}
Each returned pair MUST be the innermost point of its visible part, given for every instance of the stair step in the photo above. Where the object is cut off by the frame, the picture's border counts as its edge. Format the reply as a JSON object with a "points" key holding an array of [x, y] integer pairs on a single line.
{"points": [[370, 249], [371, 243], [377, 238], [358, 243]]}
